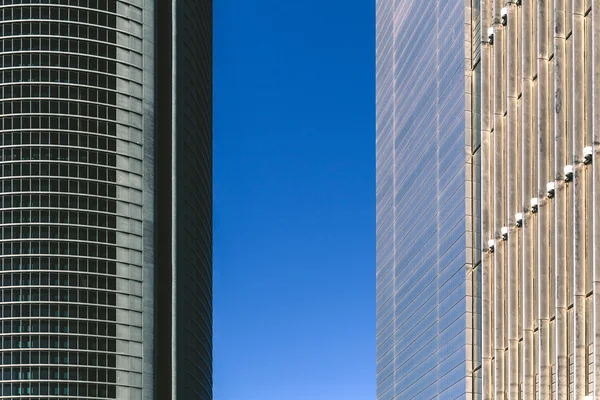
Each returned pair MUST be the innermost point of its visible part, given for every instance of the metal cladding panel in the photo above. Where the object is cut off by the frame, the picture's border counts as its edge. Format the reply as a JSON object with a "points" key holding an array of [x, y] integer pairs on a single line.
{"points": [[422, 256]]}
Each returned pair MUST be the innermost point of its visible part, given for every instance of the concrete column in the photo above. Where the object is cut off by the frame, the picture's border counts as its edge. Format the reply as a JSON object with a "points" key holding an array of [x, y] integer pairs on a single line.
{"points": [[579, 214], [595, 33], [560, 160], [544, 140], [487, 260], [499, 196], [513, 198], [527, 148]]}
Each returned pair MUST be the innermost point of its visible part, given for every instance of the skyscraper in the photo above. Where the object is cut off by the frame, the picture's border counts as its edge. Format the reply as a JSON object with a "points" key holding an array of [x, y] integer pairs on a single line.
{"points": [[540, 116], [106, 200], [424, 260], [515, 86]]}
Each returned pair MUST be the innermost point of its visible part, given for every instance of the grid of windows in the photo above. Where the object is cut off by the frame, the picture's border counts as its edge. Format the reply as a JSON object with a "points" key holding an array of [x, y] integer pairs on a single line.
{"points": [[58, 160]]}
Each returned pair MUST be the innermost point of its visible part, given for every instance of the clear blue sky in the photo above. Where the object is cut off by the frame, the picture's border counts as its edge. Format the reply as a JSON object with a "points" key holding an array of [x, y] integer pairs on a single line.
{"points": [[294, 192]]}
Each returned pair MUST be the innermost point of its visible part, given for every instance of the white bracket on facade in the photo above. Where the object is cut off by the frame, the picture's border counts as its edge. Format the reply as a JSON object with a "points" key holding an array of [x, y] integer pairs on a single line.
{"points": [[534, 203], [519, 219], [550, 187], [568, 173], [490, 33], [588, 152]]}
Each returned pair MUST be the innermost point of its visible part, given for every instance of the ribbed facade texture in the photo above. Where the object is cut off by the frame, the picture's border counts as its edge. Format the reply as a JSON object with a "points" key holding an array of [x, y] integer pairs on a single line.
{"points": [[89, 302], [424, 243], [539, 68]]}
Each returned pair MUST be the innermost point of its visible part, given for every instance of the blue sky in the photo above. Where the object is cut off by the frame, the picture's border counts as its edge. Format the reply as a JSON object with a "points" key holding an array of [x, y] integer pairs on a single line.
{"points": [[294, 191]]}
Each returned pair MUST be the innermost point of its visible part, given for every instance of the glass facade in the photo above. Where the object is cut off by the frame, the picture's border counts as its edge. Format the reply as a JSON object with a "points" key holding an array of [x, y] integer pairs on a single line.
{"points": [[424, 255], [79, 201]]}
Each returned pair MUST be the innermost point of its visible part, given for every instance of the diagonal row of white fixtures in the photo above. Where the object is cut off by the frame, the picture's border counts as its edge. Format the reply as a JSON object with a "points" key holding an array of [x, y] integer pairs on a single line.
{"points": [[588, 153]]}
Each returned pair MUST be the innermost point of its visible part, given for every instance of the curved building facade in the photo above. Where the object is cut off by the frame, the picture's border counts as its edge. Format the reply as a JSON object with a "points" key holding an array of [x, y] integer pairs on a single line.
{"points": [[83, 204]]}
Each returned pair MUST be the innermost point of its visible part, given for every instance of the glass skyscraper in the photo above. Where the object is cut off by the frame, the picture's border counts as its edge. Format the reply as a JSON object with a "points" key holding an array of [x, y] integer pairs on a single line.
{"points": [[488, 242], [106, 199], [424, 260]]}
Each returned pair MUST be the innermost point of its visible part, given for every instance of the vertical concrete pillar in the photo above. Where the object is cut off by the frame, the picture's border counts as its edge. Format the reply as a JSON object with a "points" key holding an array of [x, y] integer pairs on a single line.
{"points": [[544, 139], [526, 192], [499, 195], [579, 216], [595, 38], [560, 160], [513, 198], [487, 260]]}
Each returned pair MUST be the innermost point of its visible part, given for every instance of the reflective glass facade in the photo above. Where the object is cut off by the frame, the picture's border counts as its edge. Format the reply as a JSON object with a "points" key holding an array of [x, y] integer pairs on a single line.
{"points": [[424, 190], [82, 198]]}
